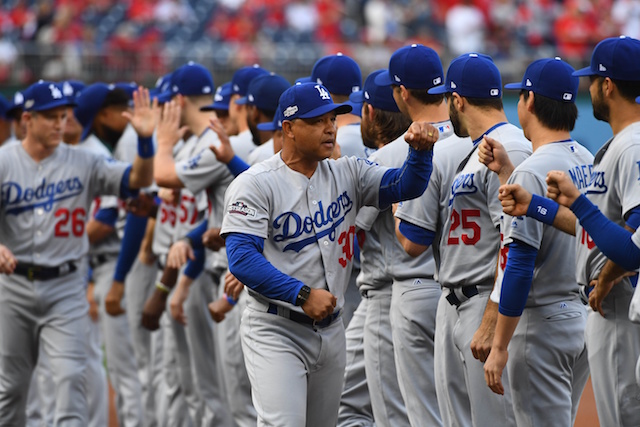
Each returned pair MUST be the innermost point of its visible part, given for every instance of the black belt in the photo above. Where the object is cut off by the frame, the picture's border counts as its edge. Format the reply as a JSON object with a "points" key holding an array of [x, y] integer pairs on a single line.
{"points": [[458, 295], [38, 272], [97, 260], [302, 318]]}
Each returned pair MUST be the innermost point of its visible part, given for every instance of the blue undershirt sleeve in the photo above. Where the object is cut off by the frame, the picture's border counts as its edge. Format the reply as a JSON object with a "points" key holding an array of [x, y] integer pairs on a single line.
{"points": [[633, 219], [408, 181], [125, 191], [195, 266], [416, 234], [236, 166], [517, 279], [107, 216], [134, 231], [196, 234], [249, 265], [613, 240]]}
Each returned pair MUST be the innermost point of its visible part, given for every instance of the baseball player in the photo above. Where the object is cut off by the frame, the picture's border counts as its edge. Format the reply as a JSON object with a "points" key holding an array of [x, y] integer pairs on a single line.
{"points": [[5, 121], [192, 88], [415, 293], [43, 271], [533, 289], [289, 227], [469, 247], [14, 111]]}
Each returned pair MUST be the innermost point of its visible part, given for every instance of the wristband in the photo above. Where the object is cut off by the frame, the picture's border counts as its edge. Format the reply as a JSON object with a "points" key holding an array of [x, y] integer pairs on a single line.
{"points": [[542, 209], [230, 300], [162, 287], [145, 147]]}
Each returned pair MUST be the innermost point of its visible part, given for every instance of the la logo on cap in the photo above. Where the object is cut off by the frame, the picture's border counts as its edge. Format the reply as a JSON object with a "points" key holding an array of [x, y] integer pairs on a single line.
{"points": [[67, 89], [323, 92]]}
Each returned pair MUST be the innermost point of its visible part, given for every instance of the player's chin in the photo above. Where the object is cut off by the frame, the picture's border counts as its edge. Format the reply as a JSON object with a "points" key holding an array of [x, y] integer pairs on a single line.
{"points": [[327, 148]]}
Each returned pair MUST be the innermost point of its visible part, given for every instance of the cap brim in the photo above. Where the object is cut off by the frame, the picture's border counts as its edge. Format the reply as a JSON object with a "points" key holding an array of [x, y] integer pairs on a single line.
{"points": [[61, 103], [267, 127], [583, 72], [242, 101], [357, 97], [638, 100], [164, 97], [514, 86], [356, 107], [438, 90], [384, 79], [86, 131], [327, 108]]}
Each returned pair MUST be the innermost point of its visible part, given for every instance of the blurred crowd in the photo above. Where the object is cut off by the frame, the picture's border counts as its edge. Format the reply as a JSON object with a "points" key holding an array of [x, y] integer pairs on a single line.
{"points": [[121, 30]]}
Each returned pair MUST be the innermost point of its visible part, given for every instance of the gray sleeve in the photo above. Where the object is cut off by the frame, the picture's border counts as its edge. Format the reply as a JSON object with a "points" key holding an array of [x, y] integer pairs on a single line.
{"points": [[525, 229], [246, 208], [201, 171], [106, 175], [369, 176], [628, 179], [366, 217], [424, 211]]}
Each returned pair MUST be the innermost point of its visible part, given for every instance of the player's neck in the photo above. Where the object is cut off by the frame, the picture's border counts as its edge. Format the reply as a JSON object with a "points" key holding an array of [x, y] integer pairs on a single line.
{"points": [[197, 122], [36, 150], [481, 120], [540, 136], [429, 113], [297, 161], [346, 119], [622, 114]]}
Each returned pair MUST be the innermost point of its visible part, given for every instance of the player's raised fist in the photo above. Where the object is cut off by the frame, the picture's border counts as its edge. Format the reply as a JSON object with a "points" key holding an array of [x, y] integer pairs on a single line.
{"points": [[320, 304], [421, 135], [515, 199], [145, 115], [561, 189], [493, 155]]}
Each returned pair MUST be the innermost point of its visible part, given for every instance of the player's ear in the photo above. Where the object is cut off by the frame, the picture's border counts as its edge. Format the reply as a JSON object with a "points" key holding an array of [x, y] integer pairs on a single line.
{"points": [[404, 93], [369, 111], [457, 101], [529, 102], [287, 129]]}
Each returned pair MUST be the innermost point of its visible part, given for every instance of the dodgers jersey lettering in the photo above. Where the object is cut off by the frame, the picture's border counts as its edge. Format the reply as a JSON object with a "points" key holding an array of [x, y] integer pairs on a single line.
{"points": [[554, 278], [431, 210], [44, 208], [615, 189], [308, 223], [471, 237]]}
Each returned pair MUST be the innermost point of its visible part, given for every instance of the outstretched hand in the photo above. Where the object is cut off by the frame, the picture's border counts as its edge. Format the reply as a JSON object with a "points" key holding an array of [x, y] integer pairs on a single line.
{"points": [[145, 115], [223, 152], [169, 130]]}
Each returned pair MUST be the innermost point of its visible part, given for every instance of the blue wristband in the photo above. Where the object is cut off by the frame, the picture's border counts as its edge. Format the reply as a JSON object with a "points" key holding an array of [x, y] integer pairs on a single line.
{"points": [[230, 300], [542, 209], [145, 147]]}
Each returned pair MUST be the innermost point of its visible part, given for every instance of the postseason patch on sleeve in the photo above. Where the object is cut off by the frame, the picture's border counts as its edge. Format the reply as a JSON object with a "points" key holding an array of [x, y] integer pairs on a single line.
{"points": [[240, 208]]}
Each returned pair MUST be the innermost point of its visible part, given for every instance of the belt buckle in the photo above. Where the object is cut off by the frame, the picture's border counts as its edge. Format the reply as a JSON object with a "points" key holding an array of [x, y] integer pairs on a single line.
{"points": [[31, 272]]}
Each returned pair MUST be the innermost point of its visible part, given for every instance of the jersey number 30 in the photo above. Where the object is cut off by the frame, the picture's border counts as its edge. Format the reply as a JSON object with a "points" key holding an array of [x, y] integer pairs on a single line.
{"points": [[463, 218], [70, 222]]}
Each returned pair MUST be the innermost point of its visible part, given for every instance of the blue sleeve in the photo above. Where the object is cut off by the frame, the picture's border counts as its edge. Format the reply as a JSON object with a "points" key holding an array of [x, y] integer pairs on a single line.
{"points": [[408, 181], [196, 234], [237, 166], [633, 219], [247, 263], [614, 241], [196, 266], [415, 234], [125, 191], [107, 216], [518, 275], [134, 231]]}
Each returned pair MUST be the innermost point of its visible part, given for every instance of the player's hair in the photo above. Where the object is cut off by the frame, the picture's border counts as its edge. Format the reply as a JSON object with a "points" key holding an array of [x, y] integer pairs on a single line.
{"points": [[339, 99], [116, 97], [389, 125], [199, 100], [629, 89], [486, 103], [423, 97], [555, 115], [268, 113]]}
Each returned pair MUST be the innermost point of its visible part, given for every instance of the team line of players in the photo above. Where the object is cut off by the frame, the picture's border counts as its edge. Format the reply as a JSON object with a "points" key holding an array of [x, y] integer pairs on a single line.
{"points": [[463, 306]]}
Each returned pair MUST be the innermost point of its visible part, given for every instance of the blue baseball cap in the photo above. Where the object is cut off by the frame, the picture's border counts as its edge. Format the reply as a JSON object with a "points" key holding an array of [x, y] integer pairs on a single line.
{"points": [[264, 91], [308, 100], [191, 79], [472, 75], [414, 67], [45, 95], [379, 96], [306, 79], [89, 103], [338, 73], [128, 87], [221, 99], [550, 77], [163, 84], [616, 58], [274, 125], [72, 88], [4, 107], [16, 104], [638, 100], [241, 78]]}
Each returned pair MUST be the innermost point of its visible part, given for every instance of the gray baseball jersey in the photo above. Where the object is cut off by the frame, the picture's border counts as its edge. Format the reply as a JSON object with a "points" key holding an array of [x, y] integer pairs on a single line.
{"points": [[634, 307], [50, 203], [262, 152], [471, 238], [243, 145], [349, 137], [555, 263], [308, 223], [204, 172], [431, 210]]}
